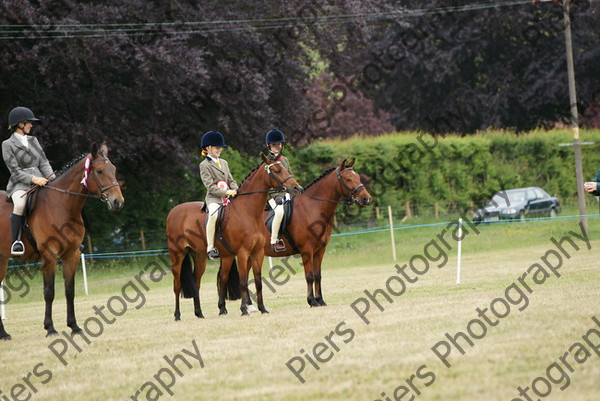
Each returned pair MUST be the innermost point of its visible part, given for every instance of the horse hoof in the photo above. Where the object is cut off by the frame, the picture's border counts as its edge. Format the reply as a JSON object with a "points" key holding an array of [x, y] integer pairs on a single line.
{"points": [[177, 318], [263, 310], [223, 312], [51, 333], [76, 330], [200, 316], [321, 302], [5, 337]]}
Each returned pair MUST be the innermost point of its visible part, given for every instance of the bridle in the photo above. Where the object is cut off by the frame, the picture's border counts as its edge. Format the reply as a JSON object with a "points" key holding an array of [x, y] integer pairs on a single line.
{"points": [[102, 196], [351, 193], [273, 177]]}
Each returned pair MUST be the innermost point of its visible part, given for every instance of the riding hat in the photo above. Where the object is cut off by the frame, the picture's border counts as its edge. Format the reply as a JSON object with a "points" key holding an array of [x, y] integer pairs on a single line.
{"points": [[20, 114], [274, 136], [212, 138]]}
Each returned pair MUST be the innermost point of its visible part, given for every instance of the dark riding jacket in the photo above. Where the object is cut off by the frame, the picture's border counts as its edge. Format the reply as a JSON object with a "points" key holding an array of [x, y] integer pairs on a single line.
{"points": [[24, 163]]}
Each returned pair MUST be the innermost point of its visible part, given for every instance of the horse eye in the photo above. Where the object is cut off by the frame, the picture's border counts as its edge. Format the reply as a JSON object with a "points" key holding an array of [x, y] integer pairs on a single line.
{"points": [[100, 172]]}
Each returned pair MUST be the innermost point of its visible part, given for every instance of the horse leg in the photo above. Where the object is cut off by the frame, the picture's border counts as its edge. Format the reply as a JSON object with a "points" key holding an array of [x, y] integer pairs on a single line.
{"points": [[69, 268], [48, 272], [176, 260], [256, 262], [307, 260], [3, 268], [317, 259], [199, 268], [243, 262], [223, 278]]}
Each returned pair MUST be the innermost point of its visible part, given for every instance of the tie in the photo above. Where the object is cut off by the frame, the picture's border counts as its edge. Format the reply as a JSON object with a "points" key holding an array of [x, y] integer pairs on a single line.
{"points": [[219, 163]]}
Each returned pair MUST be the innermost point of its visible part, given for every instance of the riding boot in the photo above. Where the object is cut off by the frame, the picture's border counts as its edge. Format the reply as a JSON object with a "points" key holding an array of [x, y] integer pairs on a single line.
{"points": [[16, 222]]}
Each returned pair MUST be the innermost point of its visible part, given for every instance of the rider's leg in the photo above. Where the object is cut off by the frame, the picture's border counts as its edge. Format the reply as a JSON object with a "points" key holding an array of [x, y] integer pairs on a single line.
{"points": [[276, 243], [213, 214], [19, 199]]}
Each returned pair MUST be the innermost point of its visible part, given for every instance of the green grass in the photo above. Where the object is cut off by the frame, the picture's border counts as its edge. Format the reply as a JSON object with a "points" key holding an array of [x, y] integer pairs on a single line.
{"points": [[245, 357]]}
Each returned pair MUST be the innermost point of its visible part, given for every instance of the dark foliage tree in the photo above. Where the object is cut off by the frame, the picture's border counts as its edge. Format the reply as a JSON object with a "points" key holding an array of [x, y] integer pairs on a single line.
{"points": [[449, 70], [150, 77]]}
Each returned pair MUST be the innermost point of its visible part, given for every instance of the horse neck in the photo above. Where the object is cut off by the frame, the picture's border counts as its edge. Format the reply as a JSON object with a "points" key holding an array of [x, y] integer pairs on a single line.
{"points": [[328, 188], [70, 181], [253, 204]]}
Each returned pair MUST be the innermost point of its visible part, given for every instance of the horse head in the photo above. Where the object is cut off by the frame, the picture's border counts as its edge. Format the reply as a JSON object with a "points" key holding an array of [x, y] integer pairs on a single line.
{"points": [[102, 177], [353, 188], [281, 177]]}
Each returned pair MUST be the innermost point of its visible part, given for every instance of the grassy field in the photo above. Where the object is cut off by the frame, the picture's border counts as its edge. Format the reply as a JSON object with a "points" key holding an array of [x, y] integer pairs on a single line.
{"points": [[335, 352]]}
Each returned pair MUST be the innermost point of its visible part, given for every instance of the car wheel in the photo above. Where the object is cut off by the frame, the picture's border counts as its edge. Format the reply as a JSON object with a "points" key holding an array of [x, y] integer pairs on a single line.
{"points": [[522, 215], [552, 212]]}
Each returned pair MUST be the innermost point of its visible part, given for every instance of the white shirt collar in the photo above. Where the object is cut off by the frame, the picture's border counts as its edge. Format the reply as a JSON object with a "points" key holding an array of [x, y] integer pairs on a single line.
{"points": [[23, 139]]}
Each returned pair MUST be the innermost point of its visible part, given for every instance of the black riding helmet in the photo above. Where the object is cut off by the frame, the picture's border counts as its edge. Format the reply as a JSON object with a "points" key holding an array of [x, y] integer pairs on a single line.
{"points": [[274, 136], [20, 114], [212, 138]]}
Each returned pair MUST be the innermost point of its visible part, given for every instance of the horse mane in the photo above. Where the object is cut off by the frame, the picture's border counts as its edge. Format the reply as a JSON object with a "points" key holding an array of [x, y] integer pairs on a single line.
{"points": [[71, 164], [253, 170], [319, 177], [250, 173]]}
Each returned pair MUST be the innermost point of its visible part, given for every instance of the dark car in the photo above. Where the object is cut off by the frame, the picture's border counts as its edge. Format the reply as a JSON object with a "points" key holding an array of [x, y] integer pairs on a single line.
{"points": [[518, 204]]}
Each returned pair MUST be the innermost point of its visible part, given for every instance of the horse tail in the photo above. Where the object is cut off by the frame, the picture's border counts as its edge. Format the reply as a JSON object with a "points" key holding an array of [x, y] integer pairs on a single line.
{"points": [[232, 292], [188, 283], [233, 283]]}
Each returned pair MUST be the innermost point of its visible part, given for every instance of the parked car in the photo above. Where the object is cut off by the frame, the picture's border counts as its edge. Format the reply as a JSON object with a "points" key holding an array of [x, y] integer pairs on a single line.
{"points": [[518, 203]]}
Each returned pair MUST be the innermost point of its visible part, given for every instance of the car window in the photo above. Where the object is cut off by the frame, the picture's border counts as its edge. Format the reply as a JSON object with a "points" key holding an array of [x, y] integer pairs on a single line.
{"points": [[514, 196], [540, 194], [530, 194]]}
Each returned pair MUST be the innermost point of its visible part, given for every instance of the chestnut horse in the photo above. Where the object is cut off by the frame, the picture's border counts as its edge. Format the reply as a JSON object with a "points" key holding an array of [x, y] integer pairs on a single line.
{"points": [[57, 227], [186, 234], [311, 223]]}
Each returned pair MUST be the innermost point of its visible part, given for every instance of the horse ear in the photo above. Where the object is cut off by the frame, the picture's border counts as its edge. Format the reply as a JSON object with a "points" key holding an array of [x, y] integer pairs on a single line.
{"points": [[351, 162], [94, 150], [104, 149], [343, 165]]}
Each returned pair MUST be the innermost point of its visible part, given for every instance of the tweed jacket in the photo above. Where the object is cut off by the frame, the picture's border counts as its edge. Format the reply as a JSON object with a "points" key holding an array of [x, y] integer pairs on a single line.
{"points": [[24, 163], [211, 175], [273, 192]]}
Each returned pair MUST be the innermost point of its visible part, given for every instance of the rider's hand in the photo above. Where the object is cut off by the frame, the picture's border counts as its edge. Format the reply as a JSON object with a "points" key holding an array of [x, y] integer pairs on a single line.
{"points": [[41, 181], [231, 192]]}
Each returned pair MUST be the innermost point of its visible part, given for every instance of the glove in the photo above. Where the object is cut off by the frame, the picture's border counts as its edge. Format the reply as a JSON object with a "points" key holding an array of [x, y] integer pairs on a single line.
{"points": [[231, 192], [41, 181]]}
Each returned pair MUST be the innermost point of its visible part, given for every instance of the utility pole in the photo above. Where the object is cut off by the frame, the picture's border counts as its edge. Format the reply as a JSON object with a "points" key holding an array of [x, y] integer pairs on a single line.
{"points": [[566, 6]]}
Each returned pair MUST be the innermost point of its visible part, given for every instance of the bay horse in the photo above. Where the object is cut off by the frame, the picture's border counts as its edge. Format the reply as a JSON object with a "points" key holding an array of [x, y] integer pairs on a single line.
{"points": [[57, 227], [312, 222], [241, 230]]}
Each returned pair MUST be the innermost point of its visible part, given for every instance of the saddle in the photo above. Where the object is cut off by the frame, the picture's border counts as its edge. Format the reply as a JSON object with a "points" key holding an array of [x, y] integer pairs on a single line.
{"points": [[288, 210]]}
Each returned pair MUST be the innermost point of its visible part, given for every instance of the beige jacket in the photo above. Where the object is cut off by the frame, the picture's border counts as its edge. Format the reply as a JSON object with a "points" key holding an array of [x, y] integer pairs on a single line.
{"points": [[213, 178]]}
